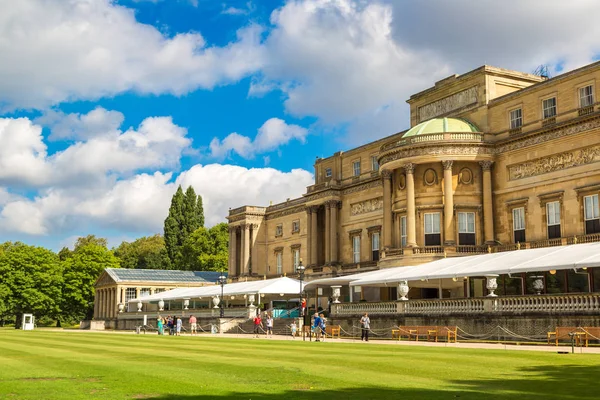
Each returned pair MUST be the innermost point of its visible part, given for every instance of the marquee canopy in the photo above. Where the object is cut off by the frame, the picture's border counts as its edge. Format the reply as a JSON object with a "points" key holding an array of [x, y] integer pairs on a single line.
{"points": [[282, 285], [511, 262]]}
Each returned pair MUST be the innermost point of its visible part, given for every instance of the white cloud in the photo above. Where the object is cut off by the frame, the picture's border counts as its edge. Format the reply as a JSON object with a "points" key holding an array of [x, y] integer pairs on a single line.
{"points": [[83, 49], [97, 122], [237, 10], [271, 135]]}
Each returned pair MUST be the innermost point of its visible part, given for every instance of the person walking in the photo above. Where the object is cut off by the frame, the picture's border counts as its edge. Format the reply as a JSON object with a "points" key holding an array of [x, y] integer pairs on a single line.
{"points": [[269, 326], [293, 328], [178, 325], [365, 325], [159, 325], [317, 327], [257, 325], [193, 325], [323, 326], [302, 307]]}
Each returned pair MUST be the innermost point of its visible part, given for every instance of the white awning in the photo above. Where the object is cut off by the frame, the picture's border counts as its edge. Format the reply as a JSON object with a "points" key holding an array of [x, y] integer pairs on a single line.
{"points": [[510, 262], [284, 285], [346, 279]]}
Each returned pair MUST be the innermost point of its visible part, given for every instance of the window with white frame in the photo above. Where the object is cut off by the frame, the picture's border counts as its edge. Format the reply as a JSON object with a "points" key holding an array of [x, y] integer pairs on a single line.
{"points": [[586, 96], [296, 258], [519, 224], [516, 119], [279, 259], [553, 219], [279, 230], [591, 214], [403, 231], [466, 228], [375, 246], [356, 168], [144, 292], [296, 226], [356, 249], [432, 229], [374, 163], [328, 173], [130, 293], [549, 107]]}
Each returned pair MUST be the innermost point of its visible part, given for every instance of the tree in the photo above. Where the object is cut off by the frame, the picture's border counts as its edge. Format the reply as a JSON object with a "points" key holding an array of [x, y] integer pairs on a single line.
{"points": [[207, 249], [144, 253], [186, 215], [81, 271], [30, 281], [90, 239], [64, 253]]}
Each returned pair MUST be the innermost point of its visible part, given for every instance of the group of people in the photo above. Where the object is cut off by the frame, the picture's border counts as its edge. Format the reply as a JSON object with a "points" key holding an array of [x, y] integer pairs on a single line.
{"points": [[174, 325], [258, 325]]}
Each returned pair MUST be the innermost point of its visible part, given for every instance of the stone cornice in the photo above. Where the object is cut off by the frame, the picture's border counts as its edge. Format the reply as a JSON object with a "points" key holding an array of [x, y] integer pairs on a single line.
{"points": [[437, 149], [283, 213]]}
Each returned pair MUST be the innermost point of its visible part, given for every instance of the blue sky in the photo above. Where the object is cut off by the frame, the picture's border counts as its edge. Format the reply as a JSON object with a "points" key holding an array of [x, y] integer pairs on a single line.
{"points": [[106, 106]]}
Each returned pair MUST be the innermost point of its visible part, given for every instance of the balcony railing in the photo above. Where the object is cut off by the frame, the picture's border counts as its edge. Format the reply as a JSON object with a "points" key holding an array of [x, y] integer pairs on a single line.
{"points": [[548, 121], [545, 304], [585, 110], [435, 137]]}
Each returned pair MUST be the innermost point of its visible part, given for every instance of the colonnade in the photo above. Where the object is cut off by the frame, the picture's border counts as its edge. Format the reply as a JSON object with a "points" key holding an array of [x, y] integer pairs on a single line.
{"points": [[449, 224], [241, 264], [107, 300], [330, 235]]}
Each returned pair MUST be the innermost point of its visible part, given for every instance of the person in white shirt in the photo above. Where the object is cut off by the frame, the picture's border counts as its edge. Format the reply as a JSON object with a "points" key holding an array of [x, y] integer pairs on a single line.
{"points": [[269, 326], [365, 325]]}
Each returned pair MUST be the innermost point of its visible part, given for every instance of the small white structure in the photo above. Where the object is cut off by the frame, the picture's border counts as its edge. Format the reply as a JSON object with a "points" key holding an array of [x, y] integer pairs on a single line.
{"points": [[28, 322]]}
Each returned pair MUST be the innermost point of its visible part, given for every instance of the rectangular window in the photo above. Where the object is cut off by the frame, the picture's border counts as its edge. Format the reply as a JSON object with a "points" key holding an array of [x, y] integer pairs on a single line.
{"points": [[549, 107], [592, 214], [519, 224], [553, 219], [295, 226], [374, 163], [403, 231], [516, 119], [432, 229], [296, 258], [356, 168], [466, 228], [327, 172], [586, 96], [279, 230], [356, 249], [279, 256], [375, 246], [130, 294]]}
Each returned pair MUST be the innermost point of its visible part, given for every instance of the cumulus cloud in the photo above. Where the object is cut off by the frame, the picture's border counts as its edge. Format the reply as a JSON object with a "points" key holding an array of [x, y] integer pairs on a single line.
{"points": [[82, 49], [271, 135], [230, 10], [97, 122]]}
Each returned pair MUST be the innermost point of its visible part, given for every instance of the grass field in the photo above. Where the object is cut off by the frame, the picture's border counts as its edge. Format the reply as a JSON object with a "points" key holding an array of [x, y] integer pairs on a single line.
{"points": [[72, 365]]}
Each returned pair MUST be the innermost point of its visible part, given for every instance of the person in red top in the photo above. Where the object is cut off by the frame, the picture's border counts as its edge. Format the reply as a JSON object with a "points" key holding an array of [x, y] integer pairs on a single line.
{"points": [[257, 325], [303, 306]]}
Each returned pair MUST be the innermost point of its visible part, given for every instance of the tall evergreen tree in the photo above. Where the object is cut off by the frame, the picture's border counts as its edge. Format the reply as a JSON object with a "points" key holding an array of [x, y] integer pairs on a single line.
{"points": [[191, 222], [200, 212]]}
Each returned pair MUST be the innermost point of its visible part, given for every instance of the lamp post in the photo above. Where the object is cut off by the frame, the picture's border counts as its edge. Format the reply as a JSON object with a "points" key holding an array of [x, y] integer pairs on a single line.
{"points": [[222, 280], [300, 270]]}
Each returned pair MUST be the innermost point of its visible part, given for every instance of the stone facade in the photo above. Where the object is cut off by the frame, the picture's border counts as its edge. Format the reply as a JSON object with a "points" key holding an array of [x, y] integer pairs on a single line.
{"points": [[413, 199]]}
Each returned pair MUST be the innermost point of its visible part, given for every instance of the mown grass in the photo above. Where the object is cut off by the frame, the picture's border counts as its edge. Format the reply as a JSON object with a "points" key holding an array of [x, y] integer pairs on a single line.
{"points": [[72, 365]]}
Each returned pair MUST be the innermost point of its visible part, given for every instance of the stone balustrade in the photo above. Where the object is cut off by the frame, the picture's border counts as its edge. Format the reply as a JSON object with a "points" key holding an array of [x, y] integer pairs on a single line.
{"points": [[543, 304]]}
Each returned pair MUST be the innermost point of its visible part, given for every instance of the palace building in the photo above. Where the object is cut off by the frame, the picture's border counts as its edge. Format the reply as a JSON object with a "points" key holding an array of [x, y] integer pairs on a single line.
{"points": [[494, 160]]}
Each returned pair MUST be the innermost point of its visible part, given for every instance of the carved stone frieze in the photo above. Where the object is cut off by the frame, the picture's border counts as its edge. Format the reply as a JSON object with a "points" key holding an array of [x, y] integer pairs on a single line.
{"points": [[289, 211], [554, 162], [320, 195], [366, 206], [440, 150], [364, 186], [447, 104]]}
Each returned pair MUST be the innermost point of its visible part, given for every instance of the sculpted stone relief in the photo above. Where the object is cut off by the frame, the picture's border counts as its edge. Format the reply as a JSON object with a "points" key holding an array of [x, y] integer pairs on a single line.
{"points": [[447, 104], [366, 206], [554, 163], [436, 151]]}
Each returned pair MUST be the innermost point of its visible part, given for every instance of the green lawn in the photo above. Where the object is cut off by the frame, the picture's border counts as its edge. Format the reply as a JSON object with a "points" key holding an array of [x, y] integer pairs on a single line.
{"points": [[72, 365]]}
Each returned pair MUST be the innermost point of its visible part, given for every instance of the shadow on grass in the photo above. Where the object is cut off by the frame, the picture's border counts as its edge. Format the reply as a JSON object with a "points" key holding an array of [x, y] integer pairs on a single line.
{"points": [[538, 383]]}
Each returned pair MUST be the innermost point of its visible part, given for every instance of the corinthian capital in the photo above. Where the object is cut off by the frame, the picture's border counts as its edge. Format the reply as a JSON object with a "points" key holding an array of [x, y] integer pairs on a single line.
{"points": [[486, 165], [447, 164], [386, 174], [409, 168]]}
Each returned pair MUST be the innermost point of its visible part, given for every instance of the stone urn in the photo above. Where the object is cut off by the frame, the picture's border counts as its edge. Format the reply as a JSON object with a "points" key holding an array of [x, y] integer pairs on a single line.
{"points": [[491, 285], [251, 299], [336, 293], [161, 305], [538, 284], [186, 304], [403, 290], [216, 301], [139, 305], [121, 307]]}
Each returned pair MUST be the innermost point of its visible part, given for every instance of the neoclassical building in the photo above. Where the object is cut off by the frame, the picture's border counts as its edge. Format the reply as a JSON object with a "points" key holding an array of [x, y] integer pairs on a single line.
{"points": [[494, 160]]}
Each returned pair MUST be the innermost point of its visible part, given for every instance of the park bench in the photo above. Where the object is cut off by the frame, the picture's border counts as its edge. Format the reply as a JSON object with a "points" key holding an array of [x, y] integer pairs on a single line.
{"points": [[402, 331], [590, 333], [449, 332], [429, 332], [564, 333], [333, 331]]}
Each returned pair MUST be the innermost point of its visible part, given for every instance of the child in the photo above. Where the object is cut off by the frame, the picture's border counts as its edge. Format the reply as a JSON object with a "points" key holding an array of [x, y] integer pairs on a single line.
{"points": [[293, 328]]}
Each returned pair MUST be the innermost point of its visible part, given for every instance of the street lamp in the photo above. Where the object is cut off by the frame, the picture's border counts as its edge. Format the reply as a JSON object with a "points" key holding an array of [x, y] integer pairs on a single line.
{"points": [[222, 280], [301, 270]]}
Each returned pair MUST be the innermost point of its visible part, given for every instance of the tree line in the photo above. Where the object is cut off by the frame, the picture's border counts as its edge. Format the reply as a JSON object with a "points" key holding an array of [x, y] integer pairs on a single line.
{"points": [[59, 287]]}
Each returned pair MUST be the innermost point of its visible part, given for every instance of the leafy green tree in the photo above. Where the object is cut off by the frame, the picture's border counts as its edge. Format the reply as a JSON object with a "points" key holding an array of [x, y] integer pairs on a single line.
{"points": [[186, 215], [144, 253], [81, 271], [64, 253], [31, 281], [207, 249], [90, 239]]}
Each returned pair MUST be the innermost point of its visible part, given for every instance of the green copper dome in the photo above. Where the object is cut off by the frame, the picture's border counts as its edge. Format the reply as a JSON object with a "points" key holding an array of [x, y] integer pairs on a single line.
{"points": [[441, 125]]}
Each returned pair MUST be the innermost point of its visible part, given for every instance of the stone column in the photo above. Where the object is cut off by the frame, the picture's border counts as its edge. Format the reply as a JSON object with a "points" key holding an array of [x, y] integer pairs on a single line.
{"points": [[333, 231], [102, 304], [327, 233], [449, 229], [488, 209], [246, 248], [252, 264], [411, 210], [96, 303], [123, 296], [230, 252], [387, 209], [309, 235], [234, 255], [313, 238], [111, 301]]}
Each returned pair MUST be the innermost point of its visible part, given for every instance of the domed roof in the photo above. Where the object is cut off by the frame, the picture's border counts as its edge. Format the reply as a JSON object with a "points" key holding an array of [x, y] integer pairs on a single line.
{"points": [[441, 125]]}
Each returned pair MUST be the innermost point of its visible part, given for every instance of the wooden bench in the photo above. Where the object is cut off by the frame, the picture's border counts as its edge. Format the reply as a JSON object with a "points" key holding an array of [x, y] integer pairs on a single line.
{"points": [[590, 333], [429, 332], [449, 332], [333, 331], [563, 333], [402, 331]]}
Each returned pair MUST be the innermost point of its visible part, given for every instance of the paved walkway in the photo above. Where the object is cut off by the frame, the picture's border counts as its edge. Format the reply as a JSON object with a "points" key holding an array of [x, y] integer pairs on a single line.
{"points": [[374, 342]]}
